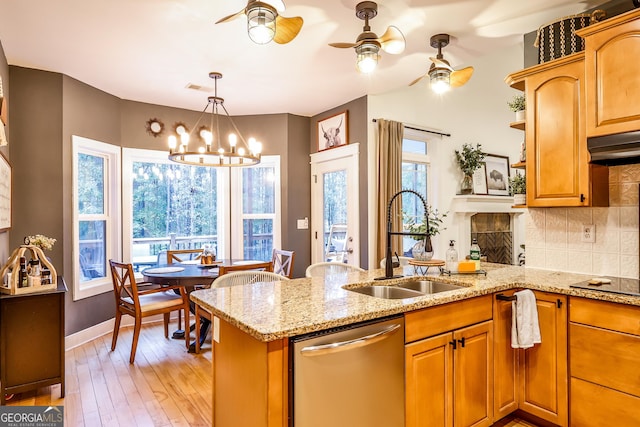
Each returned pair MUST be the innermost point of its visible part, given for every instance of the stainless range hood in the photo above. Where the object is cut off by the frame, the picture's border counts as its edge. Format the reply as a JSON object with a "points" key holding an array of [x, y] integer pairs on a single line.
{"points": [[617, 149]]}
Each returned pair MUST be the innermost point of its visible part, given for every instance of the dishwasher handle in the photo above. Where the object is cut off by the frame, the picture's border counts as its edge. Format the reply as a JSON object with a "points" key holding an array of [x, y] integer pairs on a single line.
{"points": [[318, 350]]}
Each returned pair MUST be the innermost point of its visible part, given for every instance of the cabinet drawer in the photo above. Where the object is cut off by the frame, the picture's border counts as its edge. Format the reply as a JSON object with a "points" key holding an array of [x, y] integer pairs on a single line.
{"points": [[607, 315], [594, 405], [605, 357], [442, 318]]}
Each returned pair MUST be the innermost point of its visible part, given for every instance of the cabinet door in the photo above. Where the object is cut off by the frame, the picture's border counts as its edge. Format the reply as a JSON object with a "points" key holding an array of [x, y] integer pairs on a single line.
{"points": [[428, 379], [558, 170], [473, 376], [543, 381], [505, 361], [612, 78]]}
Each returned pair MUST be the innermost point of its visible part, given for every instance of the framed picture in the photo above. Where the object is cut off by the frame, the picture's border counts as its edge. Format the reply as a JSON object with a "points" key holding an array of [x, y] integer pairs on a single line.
{"points": [[497, 173], [480, 180], [5, 193], [333, 131]]}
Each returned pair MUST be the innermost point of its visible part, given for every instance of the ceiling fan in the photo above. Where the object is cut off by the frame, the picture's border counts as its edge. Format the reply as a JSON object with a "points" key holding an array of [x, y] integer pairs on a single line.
{"points": [[440, 73], [368, 44], [264, 23]]}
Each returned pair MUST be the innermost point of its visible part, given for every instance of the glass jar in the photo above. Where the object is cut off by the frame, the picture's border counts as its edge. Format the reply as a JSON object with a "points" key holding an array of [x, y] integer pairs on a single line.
{"points": [[466, 186]]}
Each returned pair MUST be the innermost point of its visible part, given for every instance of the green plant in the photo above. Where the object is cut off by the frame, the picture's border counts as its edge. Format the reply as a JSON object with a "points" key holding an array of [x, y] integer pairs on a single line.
{"points": [[518, 184], [435, 222], [470, 158], [518, 103]]}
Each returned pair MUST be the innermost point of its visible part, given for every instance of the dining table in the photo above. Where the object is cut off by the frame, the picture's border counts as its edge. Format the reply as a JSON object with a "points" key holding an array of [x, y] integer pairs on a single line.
{"points": [[192, 273]]}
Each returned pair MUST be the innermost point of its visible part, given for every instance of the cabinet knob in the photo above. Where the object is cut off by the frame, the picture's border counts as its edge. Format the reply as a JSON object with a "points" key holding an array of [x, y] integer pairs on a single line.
{"points": [[453, 343], [461, 341], [582, 198]]}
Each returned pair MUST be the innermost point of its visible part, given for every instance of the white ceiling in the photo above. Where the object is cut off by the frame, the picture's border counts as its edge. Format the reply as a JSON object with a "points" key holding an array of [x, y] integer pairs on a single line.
{"points": [[150, 50]]}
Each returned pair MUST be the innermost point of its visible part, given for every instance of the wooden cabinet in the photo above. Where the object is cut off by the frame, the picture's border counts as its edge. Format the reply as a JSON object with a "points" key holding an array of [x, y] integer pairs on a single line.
{"points": [[32, 341], [543, 368], [612, 78], [449, 376], [557, 167], [604, 342], [533, 380]]}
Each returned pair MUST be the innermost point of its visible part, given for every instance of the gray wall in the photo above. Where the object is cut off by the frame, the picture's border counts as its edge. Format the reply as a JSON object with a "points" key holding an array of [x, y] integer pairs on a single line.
{"points": [[49, 108], [358, 132], [4, 73]]}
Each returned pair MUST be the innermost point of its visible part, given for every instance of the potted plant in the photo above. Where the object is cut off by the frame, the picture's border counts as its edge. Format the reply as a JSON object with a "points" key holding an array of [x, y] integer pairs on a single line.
{"points": [[518, 105], [435, 222], [469, 160], [518, 184]]}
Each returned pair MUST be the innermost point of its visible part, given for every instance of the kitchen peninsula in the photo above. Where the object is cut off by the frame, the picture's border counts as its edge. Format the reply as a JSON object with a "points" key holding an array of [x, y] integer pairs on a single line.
{"points": [[251, 361]]}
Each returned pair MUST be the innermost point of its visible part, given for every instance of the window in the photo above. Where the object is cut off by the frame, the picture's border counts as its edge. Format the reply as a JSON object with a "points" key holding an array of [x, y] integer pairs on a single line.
{"points": [[173, 206], [415, 176], [96, 212]]}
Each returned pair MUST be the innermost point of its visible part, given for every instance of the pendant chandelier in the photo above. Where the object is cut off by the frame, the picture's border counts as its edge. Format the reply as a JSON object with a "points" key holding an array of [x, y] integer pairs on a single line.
{"points": [[210, 151]]}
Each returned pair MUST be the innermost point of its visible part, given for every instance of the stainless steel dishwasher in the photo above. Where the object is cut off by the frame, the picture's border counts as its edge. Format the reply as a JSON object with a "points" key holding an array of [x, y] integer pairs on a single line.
{"points": [[350, 377]]}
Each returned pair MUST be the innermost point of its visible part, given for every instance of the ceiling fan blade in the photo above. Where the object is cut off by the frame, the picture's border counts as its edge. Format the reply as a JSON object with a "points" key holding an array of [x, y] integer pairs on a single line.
{"points": [[277, 4], [287, 29], [460, 77], [231, 17], [441, 63], [418, 79], [345, 45], [392, 41]]}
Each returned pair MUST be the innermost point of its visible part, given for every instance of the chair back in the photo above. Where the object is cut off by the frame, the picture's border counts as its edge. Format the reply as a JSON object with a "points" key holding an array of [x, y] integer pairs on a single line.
{"points": [[124, 284], [266, 266], [246, 277], [403, 260], [282, 262], [322, 269], [180, 255]]}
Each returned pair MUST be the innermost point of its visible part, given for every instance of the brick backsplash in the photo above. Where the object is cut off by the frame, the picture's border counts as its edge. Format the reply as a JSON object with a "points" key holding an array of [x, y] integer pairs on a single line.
{"points": [[553, 235]]}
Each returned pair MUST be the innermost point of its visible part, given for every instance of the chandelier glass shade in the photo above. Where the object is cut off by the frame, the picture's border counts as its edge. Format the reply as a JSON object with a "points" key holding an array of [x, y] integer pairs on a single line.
{"points": [[440, 79], [212, 150], [261, 23], [367, 57]]}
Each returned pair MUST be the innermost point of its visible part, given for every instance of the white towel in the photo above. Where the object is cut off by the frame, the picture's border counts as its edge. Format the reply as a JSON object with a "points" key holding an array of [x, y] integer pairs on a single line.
{"points": [[525, 330]]}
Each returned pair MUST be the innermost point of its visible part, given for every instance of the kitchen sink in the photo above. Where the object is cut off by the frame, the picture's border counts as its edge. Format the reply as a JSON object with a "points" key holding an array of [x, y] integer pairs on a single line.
{"points": [[411, 289], [428, 286]]}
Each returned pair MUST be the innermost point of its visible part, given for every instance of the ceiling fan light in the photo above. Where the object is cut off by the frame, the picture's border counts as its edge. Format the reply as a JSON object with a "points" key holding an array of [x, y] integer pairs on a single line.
{"points": [[440, 80], [261, 24], [367, 59]]}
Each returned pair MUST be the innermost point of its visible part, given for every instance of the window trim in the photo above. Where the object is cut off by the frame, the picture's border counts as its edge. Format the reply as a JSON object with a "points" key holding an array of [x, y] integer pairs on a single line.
{"points": [[112, 199]]}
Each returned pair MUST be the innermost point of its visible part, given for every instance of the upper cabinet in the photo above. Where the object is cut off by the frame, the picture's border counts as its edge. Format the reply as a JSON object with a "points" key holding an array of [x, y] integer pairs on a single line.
{"points": [[558, 168], [612, 48]]}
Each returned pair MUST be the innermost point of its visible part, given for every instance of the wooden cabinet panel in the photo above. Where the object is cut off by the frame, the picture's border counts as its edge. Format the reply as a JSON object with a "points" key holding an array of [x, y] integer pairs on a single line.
{"points": [[543, 380], [607, 315], [596, 406], [429, 371], [473, 376], [612, 79], [505, 361], [442, 318], [605, 357]]}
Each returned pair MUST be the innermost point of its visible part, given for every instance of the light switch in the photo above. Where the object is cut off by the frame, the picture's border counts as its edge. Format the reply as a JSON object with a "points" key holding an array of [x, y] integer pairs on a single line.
{"points": [[303, 224]]}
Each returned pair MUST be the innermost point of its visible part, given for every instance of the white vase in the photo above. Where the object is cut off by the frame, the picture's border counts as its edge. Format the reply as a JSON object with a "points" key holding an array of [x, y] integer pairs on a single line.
{"points": [[519, 199], [520, 115]]}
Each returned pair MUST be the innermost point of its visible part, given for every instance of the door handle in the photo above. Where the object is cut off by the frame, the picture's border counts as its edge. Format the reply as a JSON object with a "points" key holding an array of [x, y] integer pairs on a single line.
{"points": [[318, 350], [350, 250]]}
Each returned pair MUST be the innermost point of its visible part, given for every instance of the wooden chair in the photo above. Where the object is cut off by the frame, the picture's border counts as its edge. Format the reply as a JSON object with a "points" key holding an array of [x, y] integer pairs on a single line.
{"points": [[258, 265], [282, 262], [140, 303], [238, 277], [181, 255], [322, 269]]}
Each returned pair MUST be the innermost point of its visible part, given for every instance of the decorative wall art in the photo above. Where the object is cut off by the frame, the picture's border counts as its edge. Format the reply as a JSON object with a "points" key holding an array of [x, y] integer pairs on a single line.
{"points": [[5, 193], [333, 131], [497, 172], [480, 180], [154, 127]]}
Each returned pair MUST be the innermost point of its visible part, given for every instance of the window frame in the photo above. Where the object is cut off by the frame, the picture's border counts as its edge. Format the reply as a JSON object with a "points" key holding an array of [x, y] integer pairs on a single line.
{"points": [[112, 204]]}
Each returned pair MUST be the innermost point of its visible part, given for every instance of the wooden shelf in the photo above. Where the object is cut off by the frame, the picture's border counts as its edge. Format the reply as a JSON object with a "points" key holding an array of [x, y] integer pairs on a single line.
{"points": [[519, 165], [520, 125]]}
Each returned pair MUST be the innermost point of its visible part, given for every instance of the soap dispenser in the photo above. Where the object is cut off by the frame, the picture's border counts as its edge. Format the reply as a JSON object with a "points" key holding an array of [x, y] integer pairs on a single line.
{"points": [[451, 258]]}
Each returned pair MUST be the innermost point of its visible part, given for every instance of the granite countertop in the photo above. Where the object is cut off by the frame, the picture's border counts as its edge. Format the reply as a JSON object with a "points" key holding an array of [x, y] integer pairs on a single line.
{"points": [[271, 311]]}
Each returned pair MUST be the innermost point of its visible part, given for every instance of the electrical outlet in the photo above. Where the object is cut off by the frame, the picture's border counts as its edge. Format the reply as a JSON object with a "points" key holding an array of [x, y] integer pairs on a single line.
{"points": [[588, 233]]}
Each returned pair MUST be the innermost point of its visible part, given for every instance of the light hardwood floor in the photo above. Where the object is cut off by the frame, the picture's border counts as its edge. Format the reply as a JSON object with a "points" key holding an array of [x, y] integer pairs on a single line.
{"points": [[166, 386]]}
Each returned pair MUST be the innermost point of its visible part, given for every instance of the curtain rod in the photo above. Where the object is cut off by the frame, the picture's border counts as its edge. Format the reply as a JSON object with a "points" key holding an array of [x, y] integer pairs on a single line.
{"points": [[420, 129]]}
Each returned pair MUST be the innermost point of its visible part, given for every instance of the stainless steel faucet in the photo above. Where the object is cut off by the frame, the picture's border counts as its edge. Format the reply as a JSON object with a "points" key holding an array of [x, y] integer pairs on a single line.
{"points": [[388, 268]]}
